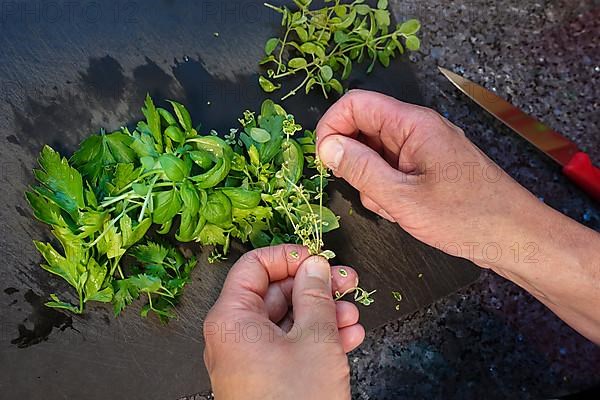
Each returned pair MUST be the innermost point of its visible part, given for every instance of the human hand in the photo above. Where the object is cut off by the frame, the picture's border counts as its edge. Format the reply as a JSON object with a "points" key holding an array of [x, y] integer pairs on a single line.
{"points": [[257, 349], [415, 168]]}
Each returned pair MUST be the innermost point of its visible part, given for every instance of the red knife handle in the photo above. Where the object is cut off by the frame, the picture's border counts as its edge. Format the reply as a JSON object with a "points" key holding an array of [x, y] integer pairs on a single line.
{"points": [[584, 174]]}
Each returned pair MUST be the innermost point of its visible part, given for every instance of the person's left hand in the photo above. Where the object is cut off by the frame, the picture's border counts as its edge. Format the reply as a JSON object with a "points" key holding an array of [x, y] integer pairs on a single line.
{"points": [[257, 348]]}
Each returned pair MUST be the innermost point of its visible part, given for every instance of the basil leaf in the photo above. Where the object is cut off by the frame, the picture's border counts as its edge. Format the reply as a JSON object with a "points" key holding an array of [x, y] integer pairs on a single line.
{"points": [[175, 134], [167, 116], [202, 158], [220, 151], [217, 210], [166, 205], [190, 198], [189, 221], [175, 168], [242, 198]]}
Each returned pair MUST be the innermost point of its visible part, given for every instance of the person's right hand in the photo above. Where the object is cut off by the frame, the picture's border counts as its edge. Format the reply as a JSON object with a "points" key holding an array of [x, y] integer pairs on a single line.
{"points": [[416, 168]]}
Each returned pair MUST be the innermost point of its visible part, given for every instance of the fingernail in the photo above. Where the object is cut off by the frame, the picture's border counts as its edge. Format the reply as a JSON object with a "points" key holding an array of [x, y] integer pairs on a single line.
{"points": [[318, 267], [331, 152]]}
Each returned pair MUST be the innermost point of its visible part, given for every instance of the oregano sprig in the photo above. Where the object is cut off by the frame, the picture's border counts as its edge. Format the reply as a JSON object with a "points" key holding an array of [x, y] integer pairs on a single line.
{"points": [[322, 44]]}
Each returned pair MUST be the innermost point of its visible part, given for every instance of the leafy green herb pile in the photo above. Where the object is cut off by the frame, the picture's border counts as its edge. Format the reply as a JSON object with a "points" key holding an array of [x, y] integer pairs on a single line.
{"points": [[322, 44], [102, 202]]}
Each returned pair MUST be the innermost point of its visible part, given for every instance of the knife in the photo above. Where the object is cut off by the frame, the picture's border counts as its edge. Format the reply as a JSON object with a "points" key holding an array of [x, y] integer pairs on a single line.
{"points": [[576, 164]]}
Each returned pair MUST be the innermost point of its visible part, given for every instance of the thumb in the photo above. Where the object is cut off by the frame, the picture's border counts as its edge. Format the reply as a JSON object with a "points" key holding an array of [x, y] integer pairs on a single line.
{"points": [[362, 167], [311, 296]]}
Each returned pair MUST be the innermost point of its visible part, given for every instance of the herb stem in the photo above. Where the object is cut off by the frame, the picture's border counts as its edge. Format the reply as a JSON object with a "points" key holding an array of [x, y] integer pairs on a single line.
{"points": [[147, 199]]}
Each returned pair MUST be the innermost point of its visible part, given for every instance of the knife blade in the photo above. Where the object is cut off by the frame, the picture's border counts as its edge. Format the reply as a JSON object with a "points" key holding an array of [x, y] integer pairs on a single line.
{"points": [[576, 164]]}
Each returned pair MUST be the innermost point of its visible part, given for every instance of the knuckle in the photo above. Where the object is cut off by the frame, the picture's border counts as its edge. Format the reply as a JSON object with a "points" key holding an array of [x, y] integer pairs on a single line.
{"points": [[358, 171], [317, 296]]}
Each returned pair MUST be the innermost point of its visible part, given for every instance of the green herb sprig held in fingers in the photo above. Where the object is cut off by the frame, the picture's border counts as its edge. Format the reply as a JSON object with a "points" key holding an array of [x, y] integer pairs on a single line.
{"points": [[321, 45]]}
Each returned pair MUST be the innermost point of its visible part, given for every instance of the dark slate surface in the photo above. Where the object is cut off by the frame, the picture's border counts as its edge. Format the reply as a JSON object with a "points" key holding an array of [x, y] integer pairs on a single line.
{"points": [[493, 340]]}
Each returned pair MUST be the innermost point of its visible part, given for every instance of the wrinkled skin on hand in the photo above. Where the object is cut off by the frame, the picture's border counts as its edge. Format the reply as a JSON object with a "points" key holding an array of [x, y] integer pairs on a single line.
{"points": [[276, 333]]}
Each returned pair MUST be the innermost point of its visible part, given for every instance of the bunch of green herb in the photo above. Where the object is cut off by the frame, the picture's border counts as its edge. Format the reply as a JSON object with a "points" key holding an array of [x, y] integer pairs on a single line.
{"points": [[102, 203], [322, 44]]}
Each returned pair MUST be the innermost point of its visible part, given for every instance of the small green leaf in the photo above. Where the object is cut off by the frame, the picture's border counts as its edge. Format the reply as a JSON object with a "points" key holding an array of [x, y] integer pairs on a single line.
{"points": [[337, 86], [267, 85], [267, 60], [167, 116], [413, 43], [96, 275], [384, 58], [362, 9], [328, 254], [340, 10], [330, 221], [382, 4], [56, 303], [254, 155], [271, 45], [383, 18], [297, 63], [212, 235], [310, 48], [182, 115], [340, 37], [326, 73], [347, 68], [260, 135], [410, 27], [150, 253], [145, 283], [130, 234], [103, 296], [311, 82], [152, 120], [302, 34]]}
